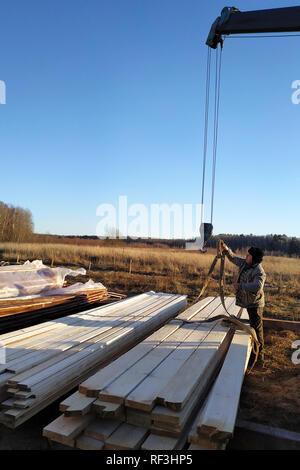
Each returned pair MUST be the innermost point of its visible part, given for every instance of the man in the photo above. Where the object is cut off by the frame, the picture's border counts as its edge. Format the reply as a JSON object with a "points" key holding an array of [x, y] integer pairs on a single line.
{"points": [[249, 289]]}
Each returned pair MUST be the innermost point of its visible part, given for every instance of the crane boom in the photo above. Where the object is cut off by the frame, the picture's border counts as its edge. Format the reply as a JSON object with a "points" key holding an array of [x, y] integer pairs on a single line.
{"points": [[233, 21]]}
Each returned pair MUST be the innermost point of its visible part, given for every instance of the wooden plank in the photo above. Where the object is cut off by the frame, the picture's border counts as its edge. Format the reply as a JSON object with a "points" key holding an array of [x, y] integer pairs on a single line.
{"points": [[123, 305], [26, 335], [4, 378], [14, 336], [101, 379], [202, 305], [63, 440], [95, 334], [154, 442], [65, 378], [74, 359], [144, 396], [88, 443], [91, 358], [178, 390], [67, 428], [275, 324], [101, 429], [107, 409], [217, 417], [90, 315], [138, 418], [46, 343], [125, 383], [16, 379], [22, 403], [13, 418], [216, 308], [175, 422], [63, 342], [126, 437], [176, 393], [76, 404], [180, 419], [207, 444], [7, 403]]}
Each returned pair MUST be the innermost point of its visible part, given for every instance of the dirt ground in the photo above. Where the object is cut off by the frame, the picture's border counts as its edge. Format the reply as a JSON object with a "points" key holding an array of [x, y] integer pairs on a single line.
{"points": [[271, 394], [28, 436]]}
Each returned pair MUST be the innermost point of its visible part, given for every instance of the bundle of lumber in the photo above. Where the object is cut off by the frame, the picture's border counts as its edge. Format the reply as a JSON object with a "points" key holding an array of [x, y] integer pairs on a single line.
{"points": [[18, 313], [45, 361], [149, 398], [214, 424], [33, 292]]}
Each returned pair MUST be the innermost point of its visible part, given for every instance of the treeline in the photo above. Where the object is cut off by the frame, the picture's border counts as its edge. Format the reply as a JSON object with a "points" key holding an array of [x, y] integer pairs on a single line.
{"points": [[93, 240], [16, 224], [271, 244]]}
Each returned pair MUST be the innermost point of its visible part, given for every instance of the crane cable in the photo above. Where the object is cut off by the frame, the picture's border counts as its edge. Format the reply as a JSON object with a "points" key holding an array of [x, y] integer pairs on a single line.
{"points": [[215, 125], [216, 122], [229, 319], [208, 68]]}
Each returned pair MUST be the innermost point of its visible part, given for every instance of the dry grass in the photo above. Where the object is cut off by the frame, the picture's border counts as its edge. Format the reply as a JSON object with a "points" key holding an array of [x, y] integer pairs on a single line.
{"points": [[133, 270]]}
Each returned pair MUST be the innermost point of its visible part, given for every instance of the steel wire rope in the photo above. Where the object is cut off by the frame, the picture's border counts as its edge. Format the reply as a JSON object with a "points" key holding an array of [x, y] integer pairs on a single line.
{"points": [[206, 120], [216, 125]]}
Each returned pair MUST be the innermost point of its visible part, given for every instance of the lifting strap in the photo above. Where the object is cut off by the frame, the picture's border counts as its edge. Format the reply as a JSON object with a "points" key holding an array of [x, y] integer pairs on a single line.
{"points": [[220, 255], [234, 322]]}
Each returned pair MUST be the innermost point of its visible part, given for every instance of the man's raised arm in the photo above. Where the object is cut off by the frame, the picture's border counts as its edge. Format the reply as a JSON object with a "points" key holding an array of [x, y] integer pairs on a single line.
{"points": [[231, 256]]}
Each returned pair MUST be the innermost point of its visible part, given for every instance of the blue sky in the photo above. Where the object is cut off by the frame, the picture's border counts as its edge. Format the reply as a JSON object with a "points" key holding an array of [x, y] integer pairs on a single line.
{"points": [[106, 98]]}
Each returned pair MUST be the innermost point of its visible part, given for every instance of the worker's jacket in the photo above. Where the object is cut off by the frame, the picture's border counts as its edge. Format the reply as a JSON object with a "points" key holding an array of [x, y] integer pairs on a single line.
{"points": [[251, 279]]}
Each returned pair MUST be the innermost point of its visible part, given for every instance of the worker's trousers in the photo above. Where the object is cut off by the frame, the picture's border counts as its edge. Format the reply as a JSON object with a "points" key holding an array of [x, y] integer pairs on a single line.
{"points": [[256, 322]]}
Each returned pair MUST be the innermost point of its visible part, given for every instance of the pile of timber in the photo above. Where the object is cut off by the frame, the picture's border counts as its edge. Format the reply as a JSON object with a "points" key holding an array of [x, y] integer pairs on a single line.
{"points": [[18, 313], [45, 361], [180, 385]]}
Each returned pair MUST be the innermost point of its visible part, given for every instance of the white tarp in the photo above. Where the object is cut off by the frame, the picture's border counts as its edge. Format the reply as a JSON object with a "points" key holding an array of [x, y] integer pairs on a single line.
{"points": [[33, 277]]}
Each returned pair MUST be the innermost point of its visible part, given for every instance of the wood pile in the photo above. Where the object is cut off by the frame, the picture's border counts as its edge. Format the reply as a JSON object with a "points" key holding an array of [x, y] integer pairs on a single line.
{"points": [[180, 385], [33, 292], [18, 313], [43, 362], [215, 422]]}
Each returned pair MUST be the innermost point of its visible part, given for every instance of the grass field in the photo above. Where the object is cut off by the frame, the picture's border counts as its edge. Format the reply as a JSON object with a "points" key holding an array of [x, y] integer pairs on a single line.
{"points": [[132, 270]]}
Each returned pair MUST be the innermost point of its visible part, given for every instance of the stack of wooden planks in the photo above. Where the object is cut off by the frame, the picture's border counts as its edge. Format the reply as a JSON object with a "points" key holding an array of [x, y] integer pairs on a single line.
{"points": [[43, 362], [18, 313], [150, 397], [214, 424]]}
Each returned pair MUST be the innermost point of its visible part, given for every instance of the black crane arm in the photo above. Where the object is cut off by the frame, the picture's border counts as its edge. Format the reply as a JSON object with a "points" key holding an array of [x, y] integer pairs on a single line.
{"points": [[233, 21]]}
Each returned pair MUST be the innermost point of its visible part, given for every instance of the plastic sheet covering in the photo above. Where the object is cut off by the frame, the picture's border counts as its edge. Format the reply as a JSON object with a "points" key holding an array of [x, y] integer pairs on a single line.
{"points": [[33, 278], [78, 287]]}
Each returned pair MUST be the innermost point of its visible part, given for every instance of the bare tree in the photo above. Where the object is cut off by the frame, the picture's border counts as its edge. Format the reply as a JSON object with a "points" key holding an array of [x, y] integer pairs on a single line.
{"points": [[15, 223]]}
